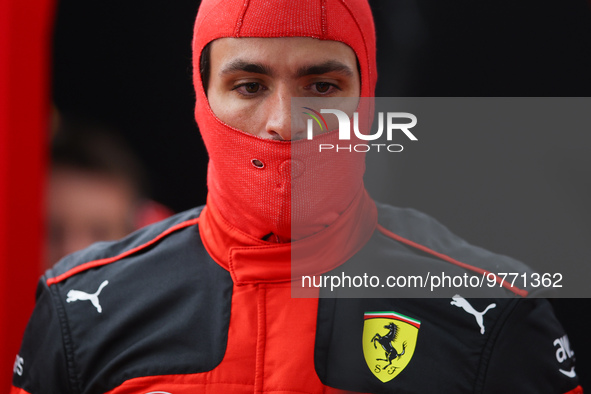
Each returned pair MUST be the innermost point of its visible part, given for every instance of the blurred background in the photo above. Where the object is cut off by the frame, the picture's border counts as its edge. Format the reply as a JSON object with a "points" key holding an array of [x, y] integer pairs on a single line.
{"points": [[121, 125]]}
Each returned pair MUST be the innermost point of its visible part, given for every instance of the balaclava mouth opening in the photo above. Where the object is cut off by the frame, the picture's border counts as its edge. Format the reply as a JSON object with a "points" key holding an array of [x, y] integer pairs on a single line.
{"points": [[250, 178]]}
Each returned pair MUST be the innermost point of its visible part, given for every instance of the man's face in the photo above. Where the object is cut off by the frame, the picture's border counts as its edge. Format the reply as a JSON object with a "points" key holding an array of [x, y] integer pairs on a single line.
{"points": [[252, 80], [85, 208]]}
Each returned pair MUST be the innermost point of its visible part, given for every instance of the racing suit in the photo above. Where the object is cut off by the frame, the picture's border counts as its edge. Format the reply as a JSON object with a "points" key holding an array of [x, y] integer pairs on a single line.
{"points": [[157, 313]]}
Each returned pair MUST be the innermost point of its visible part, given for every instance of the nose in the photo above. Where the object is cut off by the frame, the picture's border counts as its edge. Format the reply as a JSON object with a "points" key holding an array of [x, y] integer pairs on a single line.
{"points": [[279, 121]]}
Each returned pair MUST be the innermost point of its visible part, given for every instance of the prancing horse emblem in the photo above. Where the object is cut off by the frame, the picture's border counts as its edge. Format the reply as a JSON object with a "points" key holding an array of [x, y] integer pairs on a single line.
{"points": [[386, 342], [77, 295], [386, 361], [461, 302]]}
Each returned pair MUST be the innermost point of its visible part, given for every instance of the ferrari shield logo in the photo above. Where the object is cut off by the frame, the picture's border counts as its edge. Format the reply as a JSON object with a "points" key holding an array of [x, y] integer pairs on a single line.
{"points": [[389, 341]]}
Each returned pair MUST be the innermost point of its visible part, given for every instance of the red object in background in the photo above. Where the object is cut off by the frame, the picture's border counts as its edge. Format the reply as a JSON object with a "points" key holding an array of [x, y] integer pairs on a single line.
{"points": [[25, 32], [151, 212]]}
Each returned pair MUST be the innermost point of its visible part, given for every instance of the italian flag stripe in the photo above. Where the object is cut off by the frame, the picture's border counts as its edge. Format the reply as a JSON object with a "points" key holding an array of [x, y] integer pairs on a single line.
{"points": [[392, 315]]}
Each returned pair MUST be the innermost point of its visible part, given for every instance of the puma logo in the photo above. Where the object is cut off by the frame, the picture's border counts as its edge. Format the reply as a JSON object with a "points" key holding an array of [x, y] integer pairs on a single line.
{"points": [[77, 295], [461, 302]]}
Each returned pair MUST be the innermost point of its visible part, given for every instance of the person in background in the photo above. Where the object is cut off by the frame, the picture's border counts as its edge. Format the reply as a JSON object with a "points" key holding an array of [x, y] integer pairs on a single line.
{"points": [[96, 192]]}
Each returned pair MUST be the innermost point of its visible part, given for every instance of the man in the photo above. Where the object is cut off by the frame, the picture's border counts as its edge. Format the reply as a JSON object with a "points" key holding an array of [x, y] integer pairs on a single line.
{"points": [[202, 302], [95, 192]]}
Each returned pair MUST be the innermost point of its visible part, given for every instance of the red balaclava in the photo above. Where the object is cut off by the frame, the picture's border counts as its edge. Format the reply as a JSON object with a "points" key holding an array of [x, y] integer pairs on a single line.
{"points": [[263, 201]]}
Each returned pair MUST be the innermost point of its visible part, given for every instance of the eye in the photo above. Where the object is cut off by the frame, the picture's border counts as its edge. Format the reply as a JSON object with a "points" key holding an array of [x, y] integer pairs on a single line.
{"points": [[323, 87], [248, 88], [252, 87]]}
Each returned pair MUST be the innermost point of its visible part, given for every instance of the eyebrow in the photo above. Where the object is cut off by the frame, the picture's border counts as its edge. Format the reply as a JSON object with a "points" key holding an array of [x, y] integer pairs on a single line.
{"points": [[313, 69], [325, 68], [242, 65]]}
